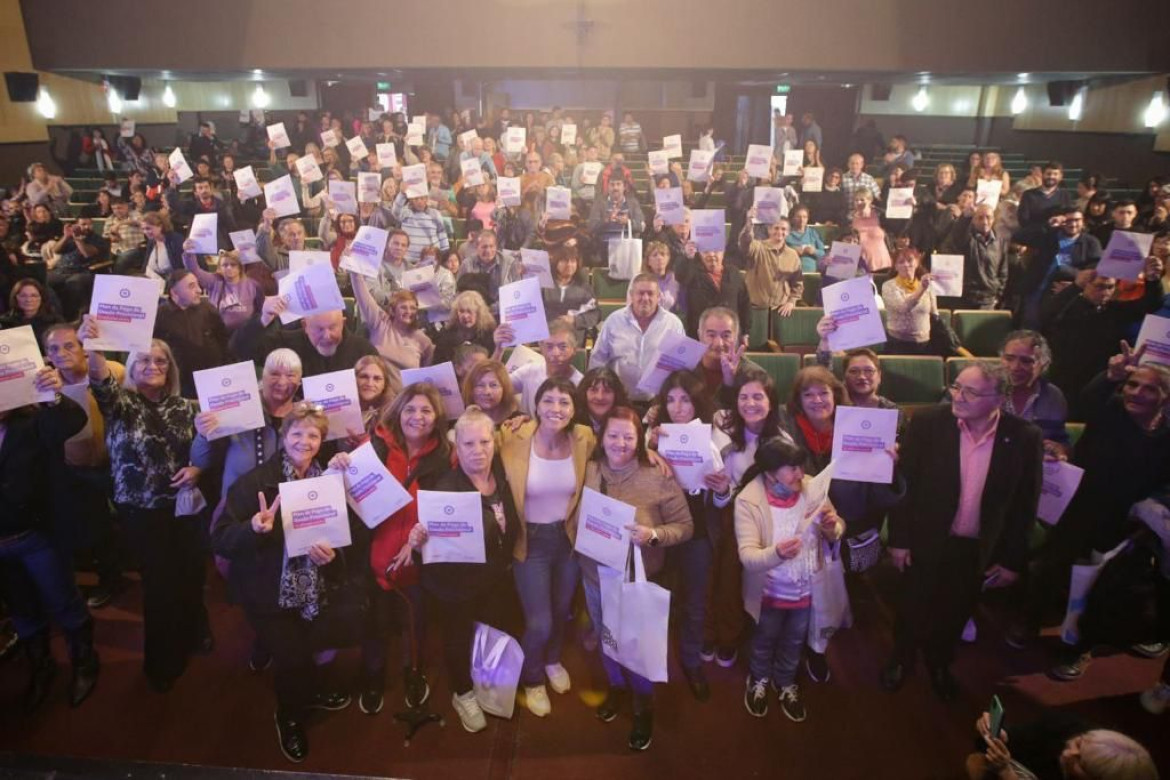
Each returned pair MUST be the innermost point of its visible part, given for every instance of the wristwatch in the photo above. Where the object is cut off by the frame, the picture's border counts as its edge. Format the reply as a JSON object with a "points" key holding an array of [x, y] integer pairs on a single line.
{"points": [[654, 540]]}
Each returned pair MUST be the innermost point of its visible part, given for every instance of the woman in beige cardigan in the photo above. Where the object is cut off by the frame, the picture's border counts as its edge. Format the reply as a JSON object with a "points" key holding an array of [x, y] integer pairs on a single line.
{"points": [[544, 461], [621, 469]]}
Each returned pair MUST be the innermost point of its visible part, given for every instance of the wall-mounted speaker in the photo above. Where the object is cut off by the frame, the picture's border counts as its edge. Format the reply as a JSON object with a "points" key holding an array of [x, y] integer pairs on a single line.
{"points": [[298, 88], [1061, 92], [127, 87], [880, 92], [22, 87]]}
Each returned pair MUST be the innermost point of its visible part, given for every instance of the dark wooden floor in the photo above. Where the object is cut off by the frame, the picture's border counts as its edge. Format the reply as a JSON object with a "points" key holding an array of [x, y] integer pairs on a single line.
{"points": [[220, 715]]}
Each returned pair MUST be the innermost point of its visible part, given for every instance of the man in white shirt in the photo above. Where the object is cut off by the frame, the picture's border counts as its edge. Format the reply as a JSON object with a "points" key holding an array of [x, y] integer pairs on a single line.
{"points": [[558, 350], [629, 337]]}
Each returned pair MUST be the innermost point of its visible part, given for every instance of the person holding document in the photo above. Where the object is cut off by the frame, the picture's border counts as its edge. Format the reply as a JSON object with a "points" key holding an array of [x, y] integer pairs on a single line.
{"points": [[779, 537], [488, 387], [910, 305], [775, 276], [599, 392], [471, 322], [233, 294], [471, 592], [572, 299], [620, 468], [393, 331], [544, 461], [149, 429], [684, 400], [378, 385], [411, 439], [288, 600]]}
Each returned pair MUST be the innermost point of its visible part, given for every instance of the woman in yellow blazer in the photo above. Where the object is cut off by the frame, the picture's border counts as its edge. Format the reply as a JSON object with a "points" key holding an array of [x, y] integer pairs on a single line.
{"points": [[544, 461]]}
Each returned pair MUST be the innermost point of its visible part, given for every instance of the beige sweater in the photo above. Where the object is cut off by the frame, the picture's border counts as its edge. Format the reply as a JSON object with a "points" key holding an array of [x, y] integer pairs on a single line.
{"points": [[774, 275]]}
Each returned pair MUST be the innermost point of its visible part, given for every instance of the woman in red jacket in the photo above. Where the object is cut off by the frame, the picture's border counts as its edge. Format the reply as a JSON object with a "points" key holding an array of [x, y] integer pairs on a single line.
{"points": [[411, 439]]}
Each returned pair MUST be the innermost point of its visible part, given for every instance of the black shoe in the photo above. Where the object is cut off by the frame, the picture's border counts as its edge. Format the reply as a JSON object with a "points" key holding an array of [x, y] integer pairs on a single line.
{"points": [[291, 737], [791, 704], [84, 680], [416, 688], [817, 666], [943, 683], [726, 657], [755, 697], [43, 670], [333, 702], [104, 592], [373, 687], [892, 676], [259, 660], [697, 681], [643, 731], [615, 702]]}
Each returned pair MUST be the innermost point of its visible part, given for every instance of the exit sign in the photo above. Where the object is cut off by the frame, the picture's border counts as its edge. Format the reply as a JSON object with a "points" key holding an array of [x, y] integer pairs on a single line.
{"points": [[783, 89], [383, 86]]}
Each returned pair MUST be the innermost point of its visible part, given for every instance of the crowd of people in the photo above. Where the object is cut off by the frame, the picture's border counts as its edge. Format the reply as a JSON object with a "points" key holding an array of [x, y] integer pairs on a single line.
{"points": [[139, 478]]}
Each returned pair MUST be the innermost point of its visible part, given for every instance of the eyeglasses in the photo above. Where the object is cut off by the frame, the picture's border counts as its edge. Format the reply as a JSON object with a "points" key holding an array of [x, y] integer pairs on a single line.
{"points": [[862, 372], [967, 394], [156, 362], [1023, 360]]}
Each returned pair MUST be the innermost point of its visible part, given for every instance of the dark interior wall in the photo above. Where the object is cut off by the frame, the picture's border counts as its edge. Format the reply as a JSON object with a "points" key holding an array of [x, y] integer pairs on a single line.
{"points": [[925, 129], [15, 159]]}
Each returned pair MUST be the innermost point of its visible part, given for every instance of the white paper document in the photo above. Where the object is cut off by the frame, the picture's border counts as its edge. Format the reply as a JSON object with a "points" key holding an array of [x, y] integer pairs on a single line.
{"points": [[246, 184], [308, 291], [508, 190], [369, 187], [861, 437], [589, 172], [20, 360], [767, 202], [244, 242], [330, 138], [179, 166], [813, 180], [1125, 255], [126, 128], [843, 260], [687, 448], [442, 376], [668, 204], [758, 163], [204, 232], [337, 393], [1155, 337], [364, 253], [522, 356], [278, 136], [421, 282], [568, 135], [344, 196], [281, 196], [708, 230], [1061, 480], [515, 139], [946, 275], [536, 266], [852, 306], [558, 203], [308, 169], [233, 394], [699, 166], [793, 162], [522, 307], [602, 529], [299, 259], [676, 352], [387, 155], [125, 308], [816, 493], [900, 203], [472, 172], [313, 511], [454, 523], [672, 146], [466, 138], [357, 148], [370, 489], [988, 192], [659, 162], [414, 181]]}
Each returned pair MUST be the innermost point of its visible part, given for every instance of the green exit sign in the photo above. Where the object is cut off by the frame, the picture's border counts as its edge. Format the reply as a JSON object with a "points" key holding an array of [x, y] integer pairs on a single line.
{"points": [[783, 89], [383, 86]]}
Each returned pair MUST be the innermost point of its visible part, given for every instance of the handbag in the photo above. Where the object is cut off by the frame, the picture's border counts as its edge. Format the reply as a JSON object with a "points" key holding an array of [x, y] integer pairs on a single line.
{"points": [[830, 611], [635, 616], [864, 550], [625, 255]]}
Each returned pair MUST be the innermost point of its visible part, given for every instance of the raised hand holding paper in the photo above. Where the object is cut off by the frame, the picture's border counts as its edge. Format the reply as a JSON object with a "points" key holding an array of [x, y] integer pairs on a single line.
{"points": [[508, 190], [179, 166], [370, 489], [1155, 337], [515, 139], [387, 155], [414, 181], [603, 529], [246, 184], [813, 180], [281, 196], [344, 196], [589, 172], [20, 360], [522, 356], [946, 275], [421, 282], [312, 511], [900, 203], [454, 523], [558, 203], [244, 242], [659, 162], [472, 172], [1061, 480], [278, 136], [369, 187], [536, 266], [708, 230], [568, 135], [861, 438], [793, 162], [125, 308], [233, 394], [843, 260], [330, 138], [988, 192], [364, 254], [308, 169], [357, 148], [466, 139], [759, 161], [126, 128], [308, 291], [852, 306], [1125, 256], [699, 168], [337, 393], [415, 135], [687, 448], [522, 307], [299, 259], [675, 352], [204, 232], [672, 145], [767, 202], [442, 376], [668, 204]]}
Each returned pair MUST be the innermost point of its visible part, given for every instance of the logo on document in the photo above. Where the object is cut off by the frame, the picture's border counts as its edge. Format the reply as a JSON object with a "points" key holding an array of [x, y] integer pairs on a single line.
{"points": [[448, 510], [353, 470], [684, 438], [844, 297], [866, 425], [329, 388], [227, 382], [4, 349], [124, 292], [312, 495]]}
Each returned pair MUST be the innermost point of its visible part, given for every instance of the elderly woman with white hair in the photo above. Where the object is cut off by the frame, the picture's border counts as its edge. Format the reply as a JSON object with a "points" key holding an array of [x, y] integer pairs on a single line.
{"points": [[149, 429]]}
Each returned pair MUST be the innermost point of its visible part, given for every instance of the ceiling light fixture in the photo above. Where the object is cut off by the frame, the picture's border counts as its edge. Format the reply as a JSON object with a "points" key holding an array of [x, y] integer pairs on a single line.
{"points": [[168, 97], [920, 100], [46, 105], [260, 98], [1076, 106], [1156, 111], [1020, 101]]}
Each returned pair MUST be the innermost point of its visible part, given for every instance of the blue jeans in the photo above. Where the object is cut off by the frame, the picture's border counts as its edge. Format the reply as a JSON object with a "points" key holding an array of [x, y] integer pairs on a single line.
{"points": [[38, 586], [693, 562], [545, 581], [618, 675], [777, 642]]}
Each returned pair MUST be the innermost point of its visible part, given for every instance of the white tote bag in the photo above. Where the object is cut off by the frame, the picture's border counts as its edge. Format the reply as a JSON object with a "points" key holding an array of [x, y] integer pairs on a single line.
{"points": [[830, 600], [496, 661], [625, 255], [635, 615], [1083, 577]]}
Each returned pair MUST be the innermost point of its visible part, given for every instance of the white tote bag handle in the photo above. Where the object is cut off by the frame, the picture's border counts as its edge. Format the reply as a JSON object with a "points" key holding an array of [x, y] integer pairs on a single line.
{"points": [[639, 565]]}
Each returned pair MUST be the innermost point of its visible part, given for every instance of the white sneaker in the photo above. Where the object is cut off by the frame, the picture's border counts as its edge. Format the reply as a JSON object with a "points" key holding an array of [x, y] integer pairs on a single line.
{"points": [[558, 678], [470, 715], [970, 633], [536, 697], [1157, 699]]}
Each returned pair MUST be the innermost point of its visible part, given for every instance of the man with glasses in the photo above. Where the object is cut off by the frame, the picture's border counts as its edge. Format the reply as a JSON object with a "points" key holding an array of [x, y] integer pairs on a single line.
{"points": [[535, 177], [1066, 249], [1025, 355], [974, 478]]}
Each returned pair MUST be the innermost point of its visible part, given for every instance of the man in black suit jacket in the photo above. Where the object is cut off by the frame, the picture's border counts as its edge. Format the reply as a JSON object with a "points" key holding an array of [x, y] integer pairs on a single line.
{"points": [[974, 479]]}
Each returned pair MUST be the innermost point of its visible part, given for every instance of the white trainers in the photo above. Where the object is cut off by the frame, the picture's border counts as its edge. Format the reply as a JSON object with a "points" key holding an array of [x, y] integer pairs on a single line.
{"points": [[470, 715], [558, 678], [536, 697], [1157, 699]]}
